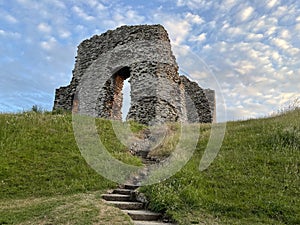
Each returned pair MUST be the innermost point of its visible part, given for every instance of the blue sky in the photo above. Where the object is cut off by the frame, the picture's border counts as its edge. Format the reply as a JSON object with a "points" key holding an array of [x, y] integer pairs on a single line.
{"points": [[251, 49]]}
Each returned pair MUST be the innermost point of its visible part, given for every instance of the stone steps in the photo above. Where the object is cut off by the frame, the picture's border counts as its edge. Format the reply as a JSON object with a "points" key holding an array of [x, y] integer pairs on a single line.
{"points": [[143, 154], [124, 199], [143, 215], [127, 205], [131, 186], [122, 191], [116, 197], [150, 223]]}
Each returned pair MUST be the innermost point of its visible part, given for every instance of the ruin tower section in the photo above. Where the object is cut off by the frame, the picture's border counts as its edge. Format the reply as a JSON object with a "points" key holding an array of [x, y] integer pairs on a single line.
{"points": [[142, 54], [197, 104]]}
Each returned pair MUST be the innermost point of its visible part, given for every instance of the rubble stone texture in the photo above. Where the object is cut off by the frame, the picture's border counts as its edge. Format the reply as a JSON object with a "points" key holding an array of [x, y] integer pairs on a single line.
{"points": [[143, 55]]}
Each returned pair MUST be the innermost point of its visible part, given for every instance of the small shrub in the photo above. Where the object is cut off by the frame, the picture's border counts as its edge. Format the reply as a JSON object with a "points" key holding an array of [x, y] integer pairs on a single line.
{"points": [[36, 109]]}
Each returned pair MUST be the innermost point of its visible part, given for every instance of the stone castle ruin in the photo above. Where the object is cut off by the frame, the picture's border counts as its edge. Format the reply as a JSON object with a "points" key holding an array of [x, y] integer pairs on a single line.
{"points": [[143, 55]]}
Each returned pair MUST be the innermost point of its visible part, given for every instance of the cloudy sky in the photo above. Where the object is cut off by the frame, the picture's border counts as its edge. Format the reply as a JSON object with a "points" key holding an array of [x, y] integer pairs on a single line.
{"points": [[248, 50]]}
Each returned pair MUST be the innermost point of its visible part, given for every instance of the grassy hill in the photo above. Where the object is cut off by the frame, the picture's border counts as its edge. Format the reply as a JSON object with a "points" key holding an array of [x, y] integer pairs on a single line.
{"points": [[254, 180], [43, 177]]}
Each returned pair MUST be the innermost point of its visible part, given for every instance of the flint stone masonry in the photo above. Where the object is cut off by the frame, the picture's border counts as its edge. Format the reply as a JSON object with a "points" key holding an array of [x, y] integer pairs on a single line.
{"points": [[211, 97], [143, 55]]}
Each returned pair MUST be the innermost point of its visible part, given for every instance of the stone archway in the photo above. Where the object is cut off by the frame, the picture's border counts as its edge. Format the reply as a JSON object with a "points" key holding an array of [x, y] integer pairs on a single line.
{"points": [[111, 96], [143, 53]]}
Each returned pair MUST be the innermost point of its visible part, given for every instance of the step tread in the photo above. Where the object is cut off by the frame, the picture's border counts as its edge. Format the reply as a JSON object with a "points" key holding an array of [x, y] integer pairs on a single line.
{"points": [[143, 215], [142, 212], [131, 186], [151, 223], [122, 191], [116, 195], [125, 202], [127, 205]]}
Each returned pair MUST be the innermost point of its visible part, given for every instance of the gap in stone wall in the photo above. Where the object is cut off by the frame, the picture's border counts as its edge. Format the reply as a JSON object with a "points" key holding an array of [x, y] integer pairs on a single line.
{"points": [[118, 88], [126, 99]]}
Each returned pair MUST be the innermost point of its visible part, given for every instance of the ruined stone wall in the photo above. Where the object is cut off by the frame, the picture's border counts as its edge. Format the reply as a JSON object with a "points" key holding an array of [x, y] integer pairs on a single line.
{"points": [[211, 97], [143, 55], [64, 98], [197, 104]]}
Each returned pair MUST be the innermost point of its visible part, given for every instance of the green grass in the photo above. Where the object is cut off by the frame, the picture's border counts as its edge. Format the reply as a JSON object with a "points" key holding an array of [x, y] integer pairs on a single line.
{"points": [[81, 209], [255, 179], [39, 158]]}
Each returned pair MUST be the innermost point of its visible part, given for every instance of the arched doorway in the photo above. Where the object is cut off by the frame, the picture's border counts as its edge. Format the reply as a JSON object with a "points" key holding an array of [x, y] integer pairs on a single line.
{"points": [[118, 79]]}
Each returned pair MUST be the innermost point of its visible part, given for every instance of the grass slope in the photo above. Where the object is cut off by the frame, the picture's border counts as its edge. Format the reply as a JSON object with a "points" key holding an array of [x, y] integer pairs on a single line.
{"points": [[40, 165], [81, 209], [254, 179]]}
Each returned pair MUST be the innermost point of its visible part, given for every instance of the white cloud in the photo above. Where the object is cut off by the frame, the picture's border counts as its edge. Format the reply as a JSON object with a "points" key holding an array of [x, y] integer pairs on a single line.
{"points": [[58, 4], [92, 3], [255, 37], [283, 44], [195, 4], [207, 47], [277, 57], [181, 51], [96, 5], [240, 113], [244, 67], [281, 11], [246, 13], [258, 71], [132, 15], [284, 97], [43, 27], [198, 75], [79, 12], [285, 34], [228, 4], [178, 28], [10, 18], [199, 38], [271, 31], [49, 44], [124, 16], [101, 7], [179, 31], [64, 33], [196, 19], [234, 31], [9, 34], [259, 24], [272, 3], [24, 1]]}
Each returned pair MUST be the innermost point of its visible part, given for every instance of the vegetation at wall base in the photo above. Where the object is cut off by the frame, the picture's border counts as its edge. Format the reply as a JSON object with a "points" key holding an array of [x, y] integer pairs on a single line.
{"points": [[255, 179]]}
